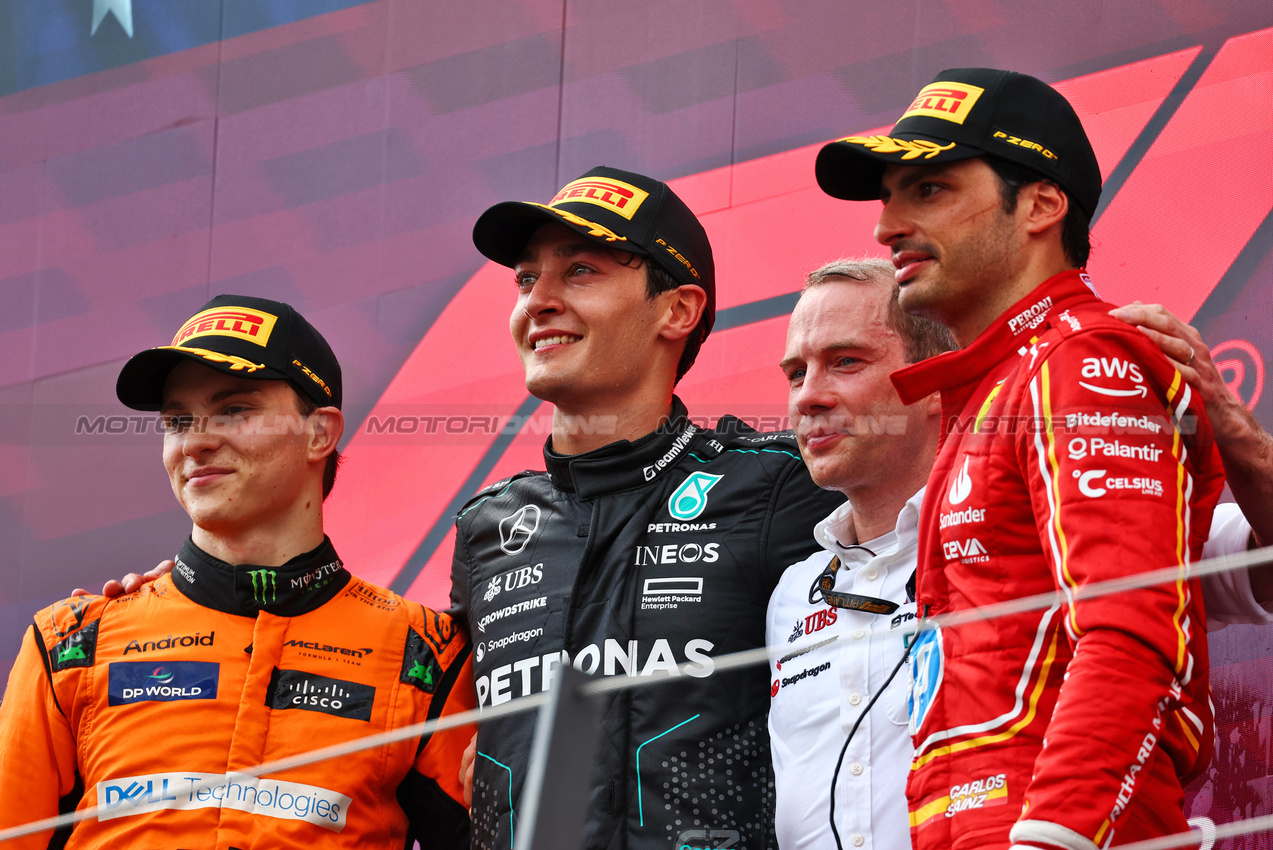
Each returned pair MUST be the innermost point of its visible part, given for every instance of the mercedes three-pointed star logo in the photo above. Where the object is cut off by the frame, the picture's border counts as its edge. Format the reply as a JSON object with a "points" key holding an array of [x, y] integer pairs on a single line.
{"points": [[516, 529]]}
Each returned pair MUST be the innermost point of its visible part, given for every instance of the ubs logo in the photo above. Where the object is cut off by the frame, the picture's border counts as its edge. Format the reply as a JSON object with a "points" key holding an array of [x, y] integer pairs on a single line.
{"points": [[516, 530]]}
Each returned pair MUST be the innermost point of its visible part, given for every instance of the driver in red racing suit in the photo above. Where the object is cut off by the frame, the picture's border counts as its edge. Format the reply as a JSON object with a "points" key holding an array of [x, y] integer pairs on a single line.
{"points": [[1073, 452], [1047, 479]]}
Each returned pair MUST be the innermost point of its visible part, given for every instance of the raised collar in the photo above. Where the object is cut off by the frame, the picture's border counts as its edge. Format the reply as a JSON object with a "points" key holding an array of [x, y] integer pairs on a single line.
{"points": [[1009, 333], [837, 530], [301, 585], [624, 465]]}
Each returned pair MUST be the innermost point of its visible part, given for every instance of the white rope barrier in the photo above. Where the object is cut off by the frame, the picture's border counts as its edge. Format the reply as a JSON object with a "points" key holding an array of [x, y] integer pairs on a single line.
{"points": [[736, 661]]}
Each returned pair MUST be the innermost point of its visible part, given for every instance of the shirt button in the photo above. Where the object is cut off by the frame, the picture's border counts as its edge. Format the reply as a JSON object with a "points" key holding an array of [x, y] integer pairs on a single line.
{"points": [[871, 575], [855, 769], [858, 634], [854, 699], [857, 839]]}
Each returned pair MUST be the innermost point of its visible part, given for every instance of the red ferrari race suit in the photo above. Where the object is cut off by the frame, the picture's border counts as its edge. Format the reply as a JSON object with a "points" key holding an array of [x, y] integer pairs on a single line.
{"points": [[1072, 453], [152, 704]]}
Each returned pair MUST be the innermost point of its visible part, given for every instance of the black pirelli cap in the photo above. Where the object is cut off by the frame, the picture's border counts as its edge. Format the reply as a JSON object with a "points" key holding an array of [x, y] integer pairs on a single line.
{"points": [[621, 209], [242, 336], [965, 113]]}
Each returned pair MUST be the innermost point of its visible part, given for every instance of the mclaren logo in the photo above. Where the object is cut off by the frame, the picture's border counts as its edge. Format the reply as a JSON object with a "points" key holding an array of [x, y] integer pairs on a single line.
{"points": [[516, 530]]}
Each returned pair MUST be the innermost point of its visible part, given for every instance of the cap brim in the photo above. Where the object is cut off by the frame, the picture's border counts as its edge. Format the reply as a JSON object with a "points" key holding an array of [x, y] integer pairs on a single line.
{"points": [[141, 382], [503, 231], [851, 168]]}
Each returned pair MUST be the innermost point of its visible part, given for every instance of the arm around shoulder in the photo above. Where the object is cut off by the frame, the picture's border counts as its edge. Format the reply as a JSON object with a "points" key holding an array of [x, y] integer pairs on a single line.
{"points": [[38, 775]]}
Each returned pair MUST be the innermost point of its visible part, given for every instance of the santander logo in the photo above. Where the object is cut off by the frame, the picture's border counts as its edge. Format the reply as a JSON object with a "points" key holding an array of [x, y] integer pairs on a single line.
{"points": [[961, 487]]}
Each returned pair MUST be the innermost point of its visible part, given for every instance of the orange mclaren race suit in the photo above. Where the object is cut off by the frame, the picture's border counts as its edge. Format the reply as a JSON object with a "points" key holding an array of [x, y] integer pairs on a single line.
{"points": [[1072, 452], [151, 704]]}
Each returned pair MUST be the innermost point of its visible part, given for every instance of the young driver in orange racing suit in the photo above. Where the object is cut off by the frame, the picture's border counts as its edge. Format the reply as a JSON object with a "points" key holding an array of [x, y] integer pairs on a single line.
{"points": [[259, 646], [1072, 452]]}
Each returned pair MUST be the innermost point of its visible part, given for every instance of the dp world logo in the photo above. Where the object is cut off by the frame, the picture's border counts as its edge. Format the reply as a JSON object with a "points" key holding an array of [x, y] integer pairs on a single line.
{"points": [[161, 676], [516, 530], [690, 498]]}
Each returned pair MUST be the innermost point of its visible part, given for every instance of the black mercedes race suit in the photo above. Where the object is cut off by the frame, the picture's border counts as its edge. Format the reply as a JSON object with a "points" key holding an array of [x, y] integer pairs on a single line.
{"points": [[630, 560]]}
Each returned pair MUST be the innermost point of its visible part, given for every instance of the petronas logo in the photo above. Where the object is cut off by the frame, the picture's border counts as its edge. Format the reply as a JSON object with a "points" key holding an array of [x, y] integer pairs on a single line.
{"points": [[264, 586], [690, 498]]}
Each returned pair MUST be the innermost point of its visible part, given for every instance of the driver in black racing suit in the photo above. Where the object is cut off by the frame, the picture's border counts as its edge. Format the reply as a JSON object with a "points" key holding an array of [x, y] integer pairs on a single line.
{"points": [[653, 546]]}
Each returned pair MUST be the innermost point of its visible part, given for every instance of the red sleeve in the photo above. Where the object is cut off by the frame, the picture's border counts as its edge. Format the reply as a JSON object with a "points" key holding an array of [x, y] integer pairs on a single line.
{"points": [[1121, 478], [39, 766]]}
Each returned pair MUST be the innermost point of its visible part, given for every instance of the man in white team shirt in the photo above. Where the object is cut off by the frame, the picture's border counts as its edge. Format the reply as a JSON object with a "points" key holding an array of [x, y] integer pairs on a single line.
{"points": [[829, 655]]}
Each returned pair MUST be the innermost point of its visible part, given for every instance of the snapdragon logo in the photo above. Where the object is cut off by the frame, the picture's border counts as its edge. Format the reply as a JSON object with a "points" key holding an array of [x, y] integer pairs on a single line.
{"points": [[135, 795]]}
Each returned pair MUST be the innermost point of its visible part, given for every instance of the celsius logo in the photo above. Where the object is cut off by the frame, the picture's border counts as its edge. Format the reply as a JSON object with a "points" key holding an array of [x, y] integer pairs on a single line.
{"points": [[161, 676], [690, 498], [1146, 486], [1085, 483], [516, 530], [961, 487]]}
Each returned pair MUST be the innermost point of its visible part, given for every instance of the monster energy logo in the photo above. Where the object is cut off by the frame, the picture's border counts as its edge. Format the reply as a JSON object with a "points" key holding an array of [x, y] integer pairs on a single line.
{"points": [[264, 584]]}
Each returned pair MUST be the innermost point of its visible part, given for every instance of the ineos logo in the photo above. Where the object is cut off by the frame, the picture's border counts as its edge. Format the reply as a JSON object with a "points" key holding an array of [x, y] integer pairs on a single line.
{"points": [[516, 530], [1242, 370]]}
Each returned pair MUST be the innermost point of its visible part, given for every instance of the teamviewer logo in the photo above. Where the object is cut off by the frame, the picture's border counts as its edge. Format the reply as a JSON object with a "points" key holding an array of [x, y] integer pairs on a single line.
{"points": [[516, 530]]}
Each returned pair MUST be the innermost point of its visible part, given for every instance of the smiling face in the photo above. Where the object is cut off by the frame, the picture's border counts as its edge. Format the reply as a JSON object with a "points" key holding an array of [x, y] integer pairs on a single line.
{"points": [[852, 428], [585, 329], [952, 243], [237, 451]]}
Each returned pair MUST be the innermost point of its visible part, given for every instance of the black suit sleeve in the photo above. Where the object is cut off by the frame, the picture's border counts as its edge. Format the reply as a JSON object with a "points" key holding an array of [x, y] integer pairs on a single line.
{"points": [[796, 506]]}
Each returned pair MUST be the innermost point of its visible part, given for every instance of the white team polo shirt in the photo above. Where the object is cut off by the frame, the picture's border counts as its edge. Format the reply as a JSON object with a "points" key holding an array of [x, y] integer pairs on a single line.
{"points": [[825, 665]]}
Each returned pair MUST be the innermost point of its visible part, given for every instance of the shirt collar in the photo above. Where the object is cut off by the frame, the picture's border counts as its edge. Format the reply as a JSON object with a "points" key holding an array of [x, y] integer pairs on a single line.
{"points": [[1010, 332], [301, 585], [838, 528], [625, 465]]}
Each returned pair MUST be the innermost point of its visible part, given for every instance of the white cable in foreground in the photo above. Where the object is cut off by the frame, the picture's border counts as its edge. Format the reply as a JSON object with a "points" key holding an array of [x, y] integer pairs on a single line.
{"points": [[1206, 835], [323, 754], [738, 660]]}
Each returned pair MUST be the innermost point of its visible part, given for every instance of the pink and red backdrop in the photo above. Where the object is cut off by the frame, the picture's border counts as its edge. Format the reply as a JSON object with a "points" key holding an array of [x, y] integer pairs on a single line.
{"points": [[335, 153]]}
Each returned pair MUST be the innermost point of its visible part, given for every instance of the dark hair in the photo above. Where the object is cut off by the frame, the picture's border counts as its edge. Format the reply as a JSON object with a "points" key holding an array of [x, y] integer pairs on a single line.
{"points": [[921, 338], [658, 281], [305, 405], [1075, 230]]}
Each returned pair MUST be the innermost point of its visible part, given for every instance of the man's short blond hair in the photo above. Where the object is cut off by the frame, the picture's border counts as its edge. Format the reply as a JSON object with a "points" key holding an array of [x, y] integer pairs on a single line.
{"points": [[922, 338]]}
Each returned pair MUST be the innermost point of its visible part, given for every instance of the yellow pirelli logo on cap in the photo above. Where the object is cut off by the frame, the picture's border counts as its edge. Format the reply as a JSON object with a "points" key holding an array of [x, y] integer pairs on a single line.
{"points": [[947, 101], [614, 195], [238, 322]]}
